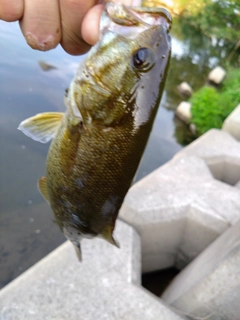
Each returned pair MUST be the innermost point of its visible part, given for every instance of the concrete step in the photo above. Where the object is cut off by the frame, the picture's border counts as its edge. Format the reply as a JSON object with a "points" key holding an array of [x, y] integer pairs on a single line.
{"points": [[105, 286]]}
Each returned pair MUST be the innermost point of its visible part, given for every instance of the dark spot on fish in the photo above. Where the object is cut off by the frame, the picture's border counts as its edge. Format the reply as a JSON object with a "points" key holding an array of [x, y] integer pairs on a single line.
{"points": [[157, 44], [142, 87], [110, 206], [80, 182], [66, 92], [57, 31]]}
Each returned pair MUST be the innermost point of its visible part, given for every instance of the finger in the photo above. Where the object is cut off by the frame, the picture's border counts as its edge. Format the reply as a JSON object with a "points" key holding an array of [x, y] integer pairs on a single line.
{"points": [[41, 24], [91, 21], [11, 11], [90, 24], [72, 13], [127, 2]]}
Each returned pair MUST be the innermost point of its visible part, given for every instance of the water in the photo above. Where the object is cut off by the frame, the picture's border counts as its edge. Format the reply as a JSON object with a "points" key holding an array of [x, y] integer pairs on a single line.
{"points": [[27, 231]]}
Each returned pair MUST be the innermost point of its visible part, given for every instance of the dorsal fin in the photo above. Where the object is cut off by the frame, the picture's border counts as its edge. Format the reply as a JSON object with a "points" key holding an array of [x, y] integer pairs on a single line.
{"points": [[42, 127], [42, 186]]}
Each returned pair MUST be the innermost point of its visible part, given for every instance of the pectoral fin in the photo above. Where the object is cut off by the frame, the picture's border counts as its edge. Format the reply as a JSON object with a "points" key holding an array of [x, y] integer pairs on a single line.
{"points": [[42, 127], [42, 186], [107, 235]]}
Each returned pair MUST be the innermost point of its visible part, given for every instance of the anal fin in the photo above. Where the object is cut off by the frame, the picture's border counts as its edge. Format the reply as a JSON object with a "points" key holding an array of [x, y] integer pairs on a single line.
{"points": [[78, 251], [107, 235], [42, 186]]}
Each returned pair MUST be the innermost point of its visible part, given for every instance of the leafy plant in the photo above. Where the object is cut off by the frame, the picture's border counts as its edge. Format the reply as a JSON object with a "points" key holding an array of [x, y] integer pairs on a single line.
{"points": [[220, 19], [211, 107]]}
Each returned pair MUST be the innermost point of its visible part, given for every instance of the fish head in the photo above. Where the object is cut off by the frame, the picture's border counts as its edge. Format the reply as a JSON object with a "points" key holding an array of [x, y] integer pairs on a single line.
{"points": [[123, 76]]}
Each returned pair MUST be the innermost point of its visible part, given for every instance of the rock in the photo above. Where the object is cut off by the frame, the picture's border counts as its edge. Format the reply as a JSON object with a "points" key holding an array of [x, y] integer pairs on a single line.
{"points": [[209, 287], [183, 111], [232, 123], [185, 89], [217, 75], [193, 128]]}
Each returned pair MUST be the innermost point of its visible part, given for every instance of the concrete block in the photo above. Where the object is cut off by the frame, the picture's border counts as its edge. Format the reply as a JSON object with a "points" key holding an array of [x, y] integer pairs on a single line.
{"points": [[217, 75], [237, 185], [183, 111], [232, 123], [180, 208], [220, 151], [209, 287], [105, 286]]}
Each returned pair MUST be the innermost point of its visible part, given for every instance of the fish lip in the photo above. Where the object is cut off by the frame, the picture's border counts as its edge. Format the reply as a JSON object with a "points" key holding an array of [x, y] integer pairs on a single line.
{"points": [[138, 16], [157, 10]]}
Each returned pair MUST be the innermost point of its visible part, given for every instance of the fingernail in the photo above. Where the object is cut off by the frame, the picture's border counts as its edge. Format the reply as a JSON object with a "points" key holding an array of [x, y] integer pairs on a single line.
{"points": [[43, 44]]}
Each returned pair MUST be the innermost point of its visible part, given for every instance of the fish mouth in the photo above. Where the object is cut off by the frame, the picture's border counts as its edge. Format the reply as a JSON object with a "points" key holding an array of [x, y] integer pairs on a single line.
{"points": [[118, 17]]}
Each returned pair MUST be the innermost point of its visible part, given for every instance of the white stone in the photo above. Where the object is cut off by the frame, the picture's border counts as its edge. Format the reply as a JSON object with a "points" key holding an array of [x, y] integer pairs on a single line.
{"points": [[232, 123], [185, 89], [217, 75], [180, 208], [193, 128], [183, 111], [105, 286], [209, 287]]}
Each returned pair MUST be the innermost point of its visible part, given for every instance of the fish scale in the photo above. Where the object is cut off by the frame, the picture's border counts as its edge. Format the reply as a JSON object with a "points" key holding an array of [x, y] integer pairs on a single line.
{"points": [[110, 108]]}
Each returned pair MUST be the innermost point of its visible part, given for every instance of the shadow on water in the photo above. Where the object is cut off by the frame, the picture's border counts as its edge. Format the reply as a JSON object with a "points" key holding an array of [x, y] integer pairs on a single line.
{"points": [[27, 231]]}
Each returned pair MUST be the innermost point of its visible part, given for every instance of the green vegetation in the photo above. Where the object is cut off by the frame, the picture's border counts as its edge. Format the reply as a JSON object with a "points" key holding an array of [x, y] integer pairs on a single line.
{"points": [[219, 19], [210, 106]]}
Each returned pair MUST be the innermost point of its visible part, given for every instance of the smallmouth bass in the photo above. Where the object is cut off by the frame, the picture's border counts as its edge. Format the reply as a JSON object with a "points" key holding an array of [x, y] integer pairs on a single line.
{"points": [[110, 108]]}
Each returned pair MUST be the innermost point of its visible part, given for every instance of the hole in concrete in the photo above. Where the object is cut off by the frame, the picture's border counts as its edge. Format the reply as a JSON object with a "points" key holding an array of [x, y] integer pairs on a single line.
{"points": [[157, 281], [225, 170]]}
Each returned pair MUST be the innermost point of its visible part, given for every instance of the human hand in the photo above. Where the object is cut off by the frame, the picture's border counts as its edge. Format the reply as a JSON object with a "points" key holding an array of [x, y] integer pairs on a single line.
{"points": [[72, 23]]}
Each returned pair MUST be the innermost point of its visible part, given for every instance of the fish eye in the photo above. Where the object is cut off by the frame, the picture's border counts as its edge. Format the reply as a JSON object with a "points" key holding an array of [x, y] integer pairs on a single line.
{"points": [[143, 59]]}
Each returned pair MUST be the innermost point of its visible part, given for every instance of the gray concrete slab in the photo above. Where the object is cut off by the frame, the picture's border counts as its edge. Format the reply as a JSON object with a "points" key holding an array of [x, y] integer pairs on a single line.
{"points": [[221, 152], [180, 208], [232, 123], [105, 286], [209, 287]]}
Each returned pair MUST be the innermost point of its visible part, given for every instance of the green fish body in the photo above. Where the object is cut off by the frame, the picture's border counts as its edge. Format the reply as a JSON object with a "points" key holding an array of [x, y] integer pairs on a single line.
{"points": [[111, 104]]}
